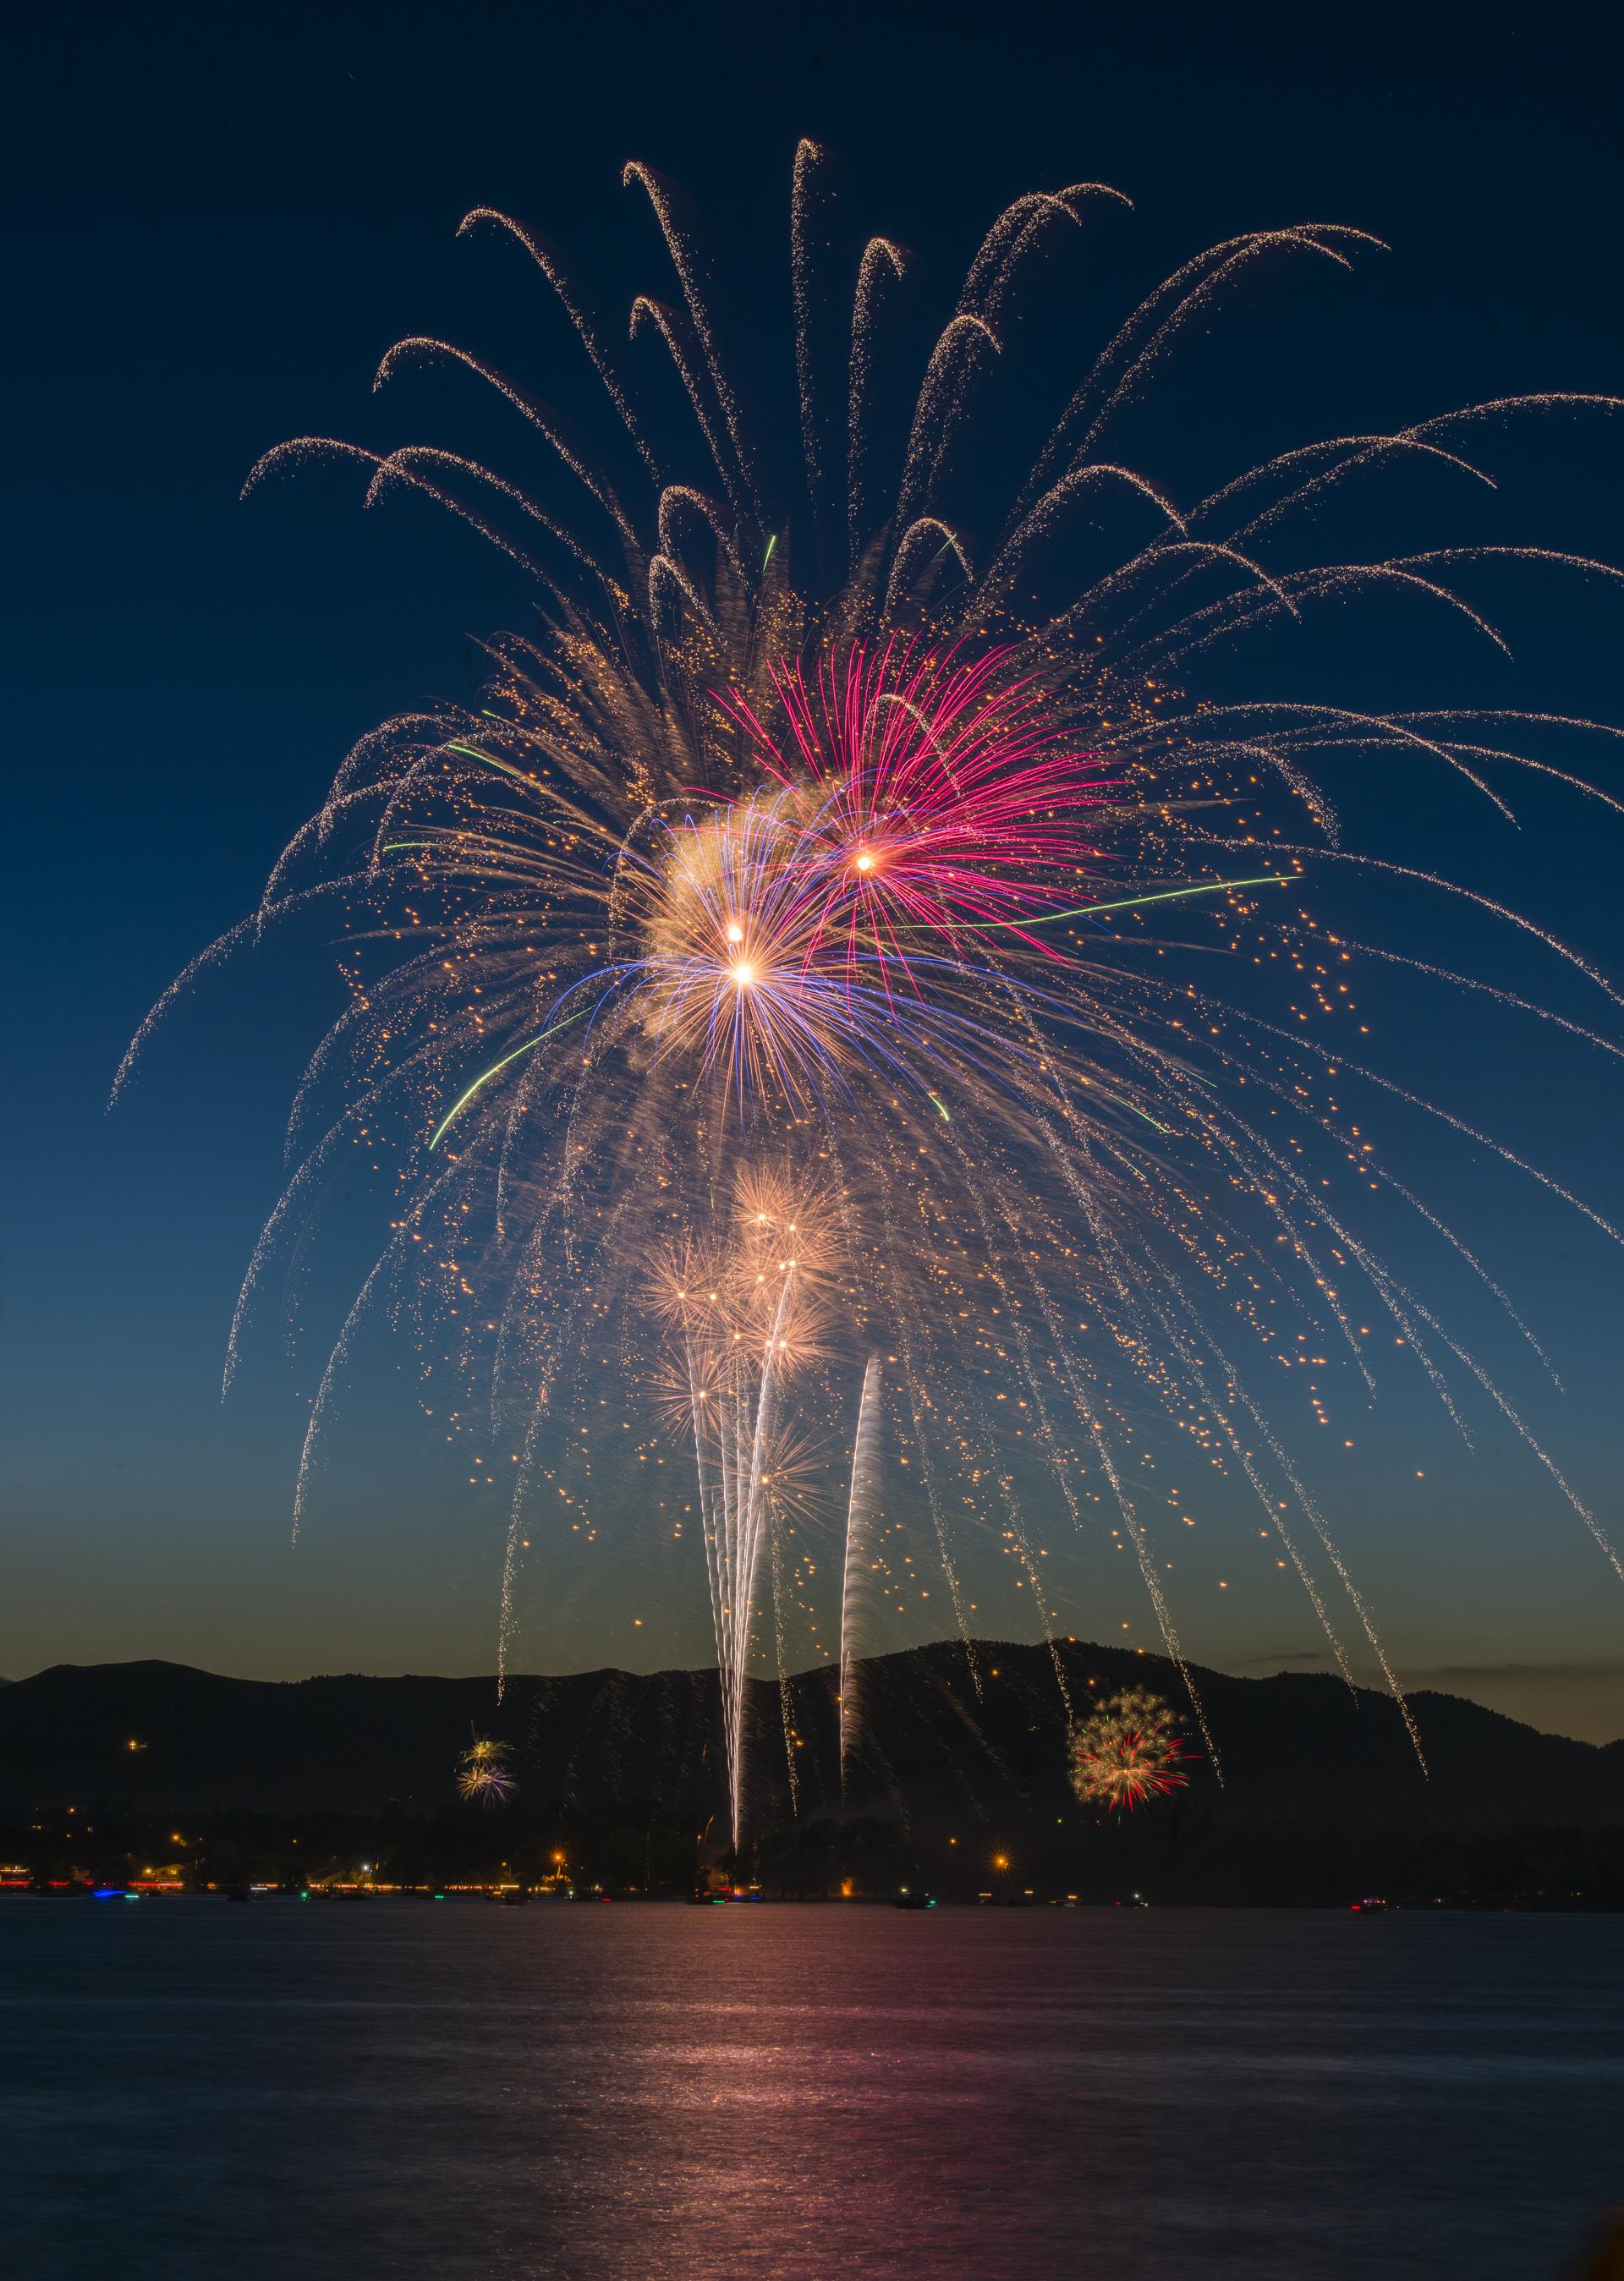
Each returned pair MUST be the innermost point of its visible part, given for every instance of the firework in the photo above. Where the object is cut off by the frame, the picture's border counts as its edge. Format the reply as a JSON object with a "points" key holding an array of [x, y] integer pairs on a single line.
{"points": [[483, 1776], [845, 959], [1126, 1751]]}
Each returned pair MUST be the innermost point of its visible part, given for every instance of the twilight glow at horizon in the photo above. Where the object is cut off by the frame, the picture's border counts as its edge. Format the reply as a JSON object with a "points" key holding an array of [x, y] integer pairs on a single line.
{"points": [[845, 978]]}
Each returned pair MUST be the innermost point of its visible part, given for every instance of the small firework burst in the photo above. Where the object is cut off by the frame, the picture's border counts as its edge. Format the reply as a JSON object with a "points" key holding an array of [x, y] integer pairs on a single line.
{"points": [[1126, 1751], [483, 1776]]}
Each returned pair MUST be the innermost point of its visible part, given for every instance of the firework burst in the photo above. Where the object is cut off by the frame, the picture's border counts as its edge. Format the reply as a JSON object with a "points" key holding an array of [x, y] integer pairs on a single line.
{"points": [[1126, 1751], [483, 1776], [834, 964]]}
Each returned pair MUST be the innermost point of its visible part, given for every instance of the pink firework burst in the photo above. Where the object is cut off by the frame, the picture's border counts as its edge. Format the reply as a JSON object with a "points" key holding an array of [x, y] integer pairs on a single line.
{"points": [[949, 801]]}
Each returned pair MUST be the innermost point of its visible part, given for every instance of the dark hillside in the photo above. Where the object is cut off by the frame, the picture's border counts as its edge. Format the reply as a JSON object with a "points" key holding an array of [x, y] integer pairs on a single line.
{"points": [[939, 1745]]}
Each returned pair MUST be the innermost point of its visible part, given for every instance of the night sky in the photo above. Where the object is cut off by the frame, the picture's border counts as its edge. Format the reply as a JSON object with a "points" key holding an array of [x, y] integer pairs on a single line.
{"points": [[218, 226]]}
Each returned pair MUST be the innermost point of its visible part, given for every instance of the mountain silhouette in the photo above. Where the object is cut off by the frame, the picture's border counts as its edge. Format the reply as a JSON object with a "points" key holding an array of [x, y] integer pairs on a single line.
{"points": [[942, 1734]]}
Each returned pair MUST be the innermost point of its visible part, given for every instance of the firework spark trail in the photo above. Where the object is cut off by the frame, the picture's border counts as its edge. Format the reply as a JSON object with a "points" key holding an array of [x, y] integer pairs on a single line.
{"points": [[1485, 989], [786, 1712], [1108, 1253], [1433, 1108], [1093, 1424], [337, 1359], [1305, 720], [1250, 607], [1125, 345], [944, 397], [922, 1415], [1180, 1346], [747, 1538], [303, 1180], [553, 271], [685, 261], [674, 336], [1305, 1502], [548, 1211], [743, 862], [545, 1362], [237, 938], [426, 349], [1049, 1439], [1381, 1176], [1356, 452], [734, 1365], [1316, 1520], [1389, 1293], [861, 1513], [1268, 1505], [804, 252], [1371, 727], [700, 1396], [881, 260], [1604, 1543]]}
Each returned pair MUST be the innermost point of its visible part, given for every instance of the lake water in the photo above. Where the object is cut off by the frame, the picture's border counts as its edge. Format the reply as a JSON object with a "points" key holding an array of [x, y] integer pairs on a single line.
{"points": [[191, 2089]]}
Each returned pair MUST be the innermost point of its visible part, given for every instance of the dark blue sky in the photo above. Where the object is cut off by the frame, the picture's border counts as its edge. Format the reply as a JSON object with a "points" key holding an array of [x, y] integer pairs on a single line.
{"points": [[217, 227]]}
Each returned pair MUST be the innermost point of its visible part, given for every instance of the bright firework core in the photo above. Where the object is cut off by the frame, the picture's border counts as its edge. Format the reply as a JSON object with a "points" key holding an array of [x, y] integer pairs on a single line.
{"points": [[963, 768]]}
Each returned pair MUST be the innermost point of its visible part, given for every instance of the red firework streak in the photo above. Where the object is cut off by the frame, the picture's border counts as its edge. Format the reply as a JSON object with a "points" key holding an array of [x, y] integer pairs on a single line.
{"points": [[948, 802]]}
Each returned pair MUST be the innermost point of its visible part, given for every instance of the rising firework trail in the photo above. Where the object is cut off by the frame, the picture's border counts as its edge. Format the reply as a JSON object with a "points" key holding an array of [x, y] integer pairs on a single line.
{"points": [[847, 912], [746, 1321], [857, 1593]]}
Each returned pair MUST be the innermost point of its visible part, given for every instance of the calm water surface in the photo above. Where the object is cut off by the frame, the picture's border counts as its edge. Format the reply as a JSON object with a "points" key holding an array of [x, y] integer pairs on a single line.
{"points": [[188, 2088]]}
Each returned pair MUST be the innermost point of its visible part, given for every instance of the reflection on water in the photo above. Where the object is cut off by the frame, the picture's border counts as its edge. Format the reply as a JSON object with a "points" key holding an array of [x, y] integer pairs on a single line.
{"points": [[190, 2089]]}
